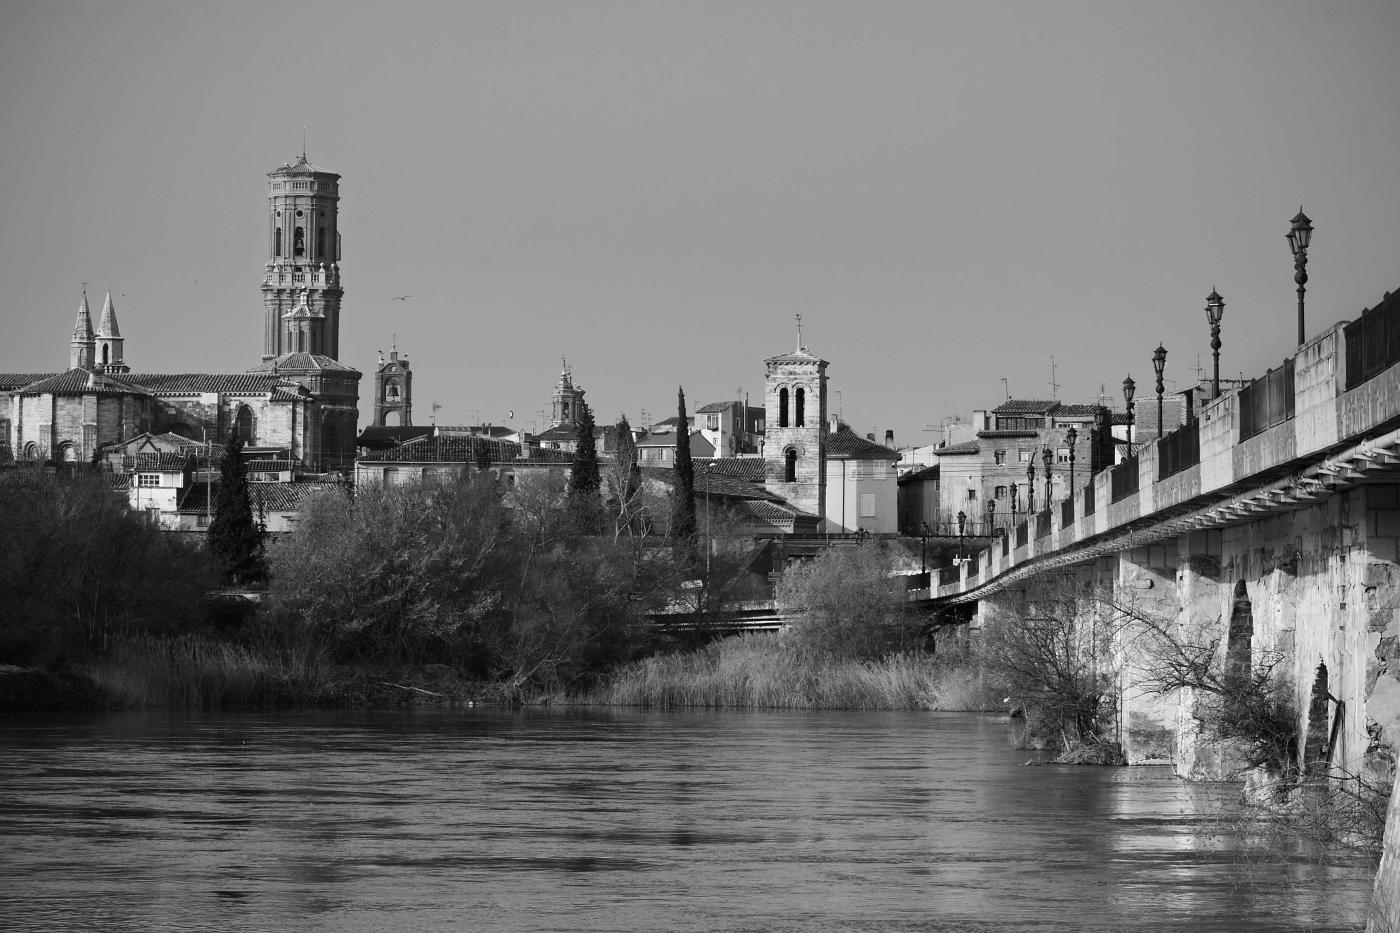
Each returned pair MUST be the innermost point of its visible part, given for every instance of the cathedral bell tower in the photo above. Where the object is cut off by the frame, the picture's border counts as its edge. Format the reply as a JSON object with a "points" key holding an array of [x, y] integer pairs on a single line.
{"points": [[568, 399], [301, 281], [393, 390], [794, 442]]}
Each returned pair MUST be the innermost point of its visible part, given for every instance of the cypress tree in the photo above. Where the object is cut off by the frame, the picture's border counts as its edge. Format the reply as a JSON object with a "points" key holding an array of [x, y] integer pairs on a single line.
{"points": [[683, 523], [235, 540], [585, 481]]}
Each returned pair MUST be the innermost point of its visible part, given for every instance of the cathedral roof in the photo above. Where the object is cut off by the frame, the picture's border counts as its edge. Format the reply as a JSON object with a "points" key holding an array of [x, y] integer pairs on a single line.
{"points": [[84, 382], [9, 382], [799, 355], [251, 383], [303, 362]]}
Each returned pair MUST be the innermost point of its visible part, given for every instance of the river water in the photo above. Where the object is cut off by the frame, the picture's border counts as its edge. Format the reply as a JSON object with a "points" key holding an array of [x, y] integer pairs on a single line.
{"points": [[614, 821]]}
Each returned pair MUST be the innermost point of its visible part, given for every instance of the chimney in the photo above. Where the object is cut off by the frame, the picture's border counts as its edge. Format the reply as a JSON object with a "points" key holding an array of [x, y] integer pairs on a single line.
{"points": [[834, 421], [889, 438], [870, 436]]}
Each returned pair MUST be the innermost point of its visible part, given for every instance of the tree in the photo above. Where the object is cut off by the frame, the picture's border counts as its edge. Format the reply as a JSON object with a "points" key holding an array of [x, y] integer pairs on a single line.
{"points": [[624, 482], [235, 541], [585, 502], [848, 602], [683, 523]]}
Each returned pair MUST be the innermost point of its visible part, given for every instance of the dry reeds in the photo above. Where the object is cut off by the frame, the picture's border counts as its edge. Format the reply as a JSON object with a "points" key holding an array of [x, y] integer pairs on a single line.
{"points": [[189, 671], [756, 672]]}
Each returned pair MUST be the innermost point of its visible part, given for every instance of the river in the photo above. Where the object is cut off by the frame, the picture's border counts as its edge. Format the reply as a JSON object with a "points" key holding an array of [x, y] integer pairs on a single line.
{"points": [[615, 821]]}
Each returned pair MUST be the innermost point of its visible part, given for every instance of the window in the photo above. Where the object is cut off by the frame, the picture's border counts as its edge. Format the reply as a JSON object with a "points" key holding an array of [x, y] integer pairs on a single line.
{"points": [[1019, 424], [147, 480], [1062, 455], [789, 465], [782, 408], [867, 505], [712, 421], [1001, 492], [999, 457], [1025, 455], [262, 476], [972, 495], [277, 243], [801, 420], [243, 423], [299, 241]]}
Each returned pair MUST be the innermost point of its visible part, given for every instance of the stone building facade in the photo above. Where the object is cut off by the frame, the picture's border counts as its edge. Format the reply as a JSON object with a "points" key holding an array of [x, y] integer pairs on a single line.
{"points": [[794, 443]]}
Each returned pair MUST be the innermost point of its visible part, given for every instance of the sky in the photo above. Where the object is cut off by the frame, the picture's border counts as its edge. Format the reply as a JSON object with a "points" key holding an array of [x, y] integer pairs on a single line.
{"points": [[959, 199]]}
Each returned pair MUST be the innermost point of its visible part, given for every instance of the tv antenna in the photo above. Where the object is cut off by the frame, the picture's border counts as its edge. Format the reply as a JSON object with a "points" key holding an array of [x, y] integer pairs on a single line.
{"points": [[1054, 386]]}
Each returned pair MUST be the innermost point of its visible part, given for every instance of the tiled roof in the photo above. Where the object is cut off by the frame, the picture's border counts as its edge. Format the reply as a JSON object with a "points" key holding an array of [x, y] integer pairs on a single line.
{"points": [[230, 383], [1019, 406], [266, 497], [753, 469], [717, 406], [848, 445], [486, 430], [1008, 434], [379, 437], [445, 450], [919, 476], [797, 356], [1076, 411], [303, 362], [270, 466], [559, 432], [11, 381], [84, 382], [300, 167], [164, 460], [956, 450], [736, 487]]}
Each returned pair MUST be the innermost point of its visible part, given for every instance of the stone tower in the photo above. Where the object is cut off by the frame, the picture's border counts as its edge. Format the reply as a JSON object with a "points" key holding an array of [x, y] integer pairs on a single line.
{"points": [[301, 282], [568, 399], [794, 442], [80, 348], [393, 390], [107, 354]]}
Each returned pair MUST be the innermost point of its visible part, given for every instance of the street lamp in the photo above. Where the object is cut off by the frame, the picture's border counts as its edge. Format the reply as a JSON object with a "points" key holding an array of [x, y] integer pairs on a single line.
{"points": [[991, 516], [1048, 456], [1014, 490], [1129, 388], [1215, 312], [1298, 238], [1159, 363], [1072, 435], [1030, 487], [962, 526]]}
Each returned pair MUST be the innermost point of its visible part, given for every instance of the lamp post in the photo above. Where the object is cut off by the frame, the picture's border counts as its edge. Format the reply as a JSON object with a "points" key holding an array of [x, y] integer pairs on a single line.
{"points": [[1159, 363], [1013, 504], [1072, 435], [1030, 487], [1215, 313], [1298, 238], [991, 517], [1129, 389], [962, 526], [1048, 456]]}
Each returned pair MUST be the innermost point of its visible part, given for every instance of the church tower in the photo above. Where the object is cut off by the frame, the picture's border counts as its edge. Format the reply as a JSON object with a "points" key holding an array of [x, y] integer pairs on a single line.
{"points": [[301, 281], [568, 399], [393, 390], [80, 348], [794, 442], [108, 341]]}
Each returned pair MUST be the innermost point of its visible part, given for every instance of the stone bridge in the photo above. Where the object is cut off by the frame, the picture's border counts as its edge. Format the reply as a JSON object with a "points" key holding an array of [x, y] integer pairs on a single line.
{"points": [[1279, 506]]}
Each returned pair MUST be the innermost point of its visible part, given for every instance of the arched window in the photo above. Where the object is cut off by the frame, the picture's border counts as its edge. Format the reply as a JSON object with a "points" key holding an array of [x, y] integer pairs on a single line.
{"points": [[392, 418], [31, 451], [243, 424], [790, 466], [277, 243], [800, 418], [782, 408], [67, 453], [299, 241], [321, 243], [106, 348]]}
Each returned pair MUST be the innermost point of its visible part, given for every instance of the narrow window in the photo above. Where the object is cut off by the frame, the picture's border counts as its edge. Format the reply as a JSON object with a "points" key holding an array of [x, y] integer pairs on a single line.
{"points": [[782, 408], [277, 243], [105, 349], [321, 243], [800, 419], [299, 242], [790, 465], [244, 424]]}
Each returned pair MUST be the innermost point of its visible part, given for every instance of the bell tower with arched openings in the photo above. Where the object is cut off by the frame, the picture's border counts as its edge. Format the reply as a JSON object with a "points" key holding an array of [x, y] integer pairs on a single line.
{"points": [[794, 442], [301, 281], [393, 389], [568, 398]]}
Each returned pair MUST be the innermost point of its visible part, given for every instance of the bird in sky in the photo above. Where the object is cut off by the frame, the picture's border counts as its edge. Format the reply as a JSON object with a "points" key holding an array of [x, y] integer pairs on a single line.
{"points": [[402, 297]]}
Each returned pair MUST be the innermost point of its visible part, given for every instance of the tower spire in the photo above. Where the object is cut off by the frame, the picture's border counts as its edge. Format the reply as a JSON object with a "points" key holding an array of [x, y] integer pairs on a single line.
{"points": [[107, 342], [80, 347]]}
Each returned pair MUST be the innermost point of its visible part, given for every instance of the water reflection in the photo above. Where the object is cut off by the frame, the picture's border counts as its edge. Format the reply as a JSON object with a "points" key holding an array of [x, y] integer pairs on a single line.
{"points": [[611, 820]]}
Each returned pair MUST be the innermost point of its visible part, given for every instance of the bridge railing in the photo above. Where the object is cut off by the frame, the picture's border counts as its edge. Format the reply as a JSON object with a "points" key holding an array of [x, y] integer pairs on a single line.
{"points": [[1373, 341], [1022, 534], [1089, 500], [1123, 480], [1267, 401], [1179, 450], [1042, 523], [1066, 513]]}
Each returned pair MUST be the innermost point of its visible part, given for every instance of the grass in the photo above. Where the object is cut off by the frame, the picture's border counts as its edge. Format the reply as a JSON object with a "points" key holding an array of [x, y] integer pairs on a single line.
{"points": [[189, 671], [760, 672]]}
